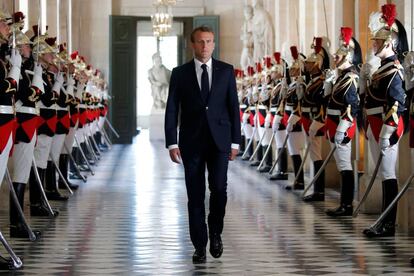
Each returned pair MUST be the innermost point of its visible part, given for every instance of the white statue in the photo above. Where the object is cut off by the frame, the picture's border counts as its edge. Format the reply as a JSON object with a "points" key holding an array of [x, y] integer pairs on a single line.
{"points": [[246, 36], [159, 77], [263, 33]]}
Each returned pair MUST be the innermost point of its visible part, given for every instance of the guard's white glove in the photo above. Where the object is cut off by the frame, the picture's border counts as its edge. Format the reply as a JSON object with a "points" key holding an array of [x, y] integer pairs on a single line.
{"points": [[58, 82], [245, 117], [342, 127], [384, 143], [15, 62], [314, 127], [293, 119], [330, 78], [339, 137], [385, 134], [267, 120], [276, 122], [37, 80]]}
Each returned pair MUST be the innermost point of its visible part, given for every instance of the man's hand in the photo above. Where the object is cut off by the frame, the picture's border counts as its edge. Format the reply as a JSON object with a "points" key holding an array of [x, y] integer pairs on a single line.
{"points": [[233, 154], [175, 155]]}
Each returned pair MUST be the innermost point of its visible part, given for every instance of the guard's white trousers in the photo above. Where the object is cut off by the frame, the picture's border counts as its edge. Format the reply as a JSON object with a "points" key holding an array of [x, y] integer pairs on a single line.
{"points": [[21, 160], [4, 157]]}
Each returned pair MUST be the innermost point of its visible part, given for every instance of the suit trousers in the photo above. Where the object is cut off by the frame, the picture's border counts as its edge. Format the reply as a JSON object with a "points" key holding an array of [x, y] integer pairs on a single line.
{"points": [[195, 162]]}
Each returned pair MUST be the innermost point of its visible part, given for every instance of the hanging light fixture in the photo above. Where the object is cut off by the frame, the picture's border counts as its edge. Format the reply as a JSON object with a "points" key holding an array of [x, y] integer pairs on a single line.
{"points": [[162, 18]]}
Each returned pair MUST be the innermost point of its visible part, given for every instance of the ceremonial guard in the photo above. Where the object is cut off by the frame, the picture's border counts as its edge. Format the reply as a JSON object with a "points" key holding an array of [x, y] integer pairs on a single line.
{"points": [[72, 106], [27, 95], [313, 113], [384, 107], [266, 116], [241, 96], [280, 79], [342, 110], [43, 55], [9, 78], [294, 96], [258, 118], [247, 116]]}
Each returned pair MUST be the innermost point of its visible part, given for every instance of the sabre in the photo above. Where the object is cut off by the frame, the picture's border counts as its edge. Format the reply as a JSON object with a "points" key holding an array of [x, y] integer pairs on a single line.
{"points": [[249, 144], [106, 138], [279, 155], [78, 172], [17, 262], [379, 221], [369, 187], [257, 147], [42, 191], [303, 161], [111, 127], [88, 146], [60, 174], [266, 152], [94, 142], [84, 156], [32, 235], [324, 164]]}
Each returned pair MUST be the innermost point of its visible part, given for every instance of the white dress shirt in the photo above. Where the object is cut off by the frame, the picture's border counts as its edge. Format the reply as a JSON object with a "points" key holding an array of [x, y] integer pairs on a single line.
{"points": [[199, 71]]}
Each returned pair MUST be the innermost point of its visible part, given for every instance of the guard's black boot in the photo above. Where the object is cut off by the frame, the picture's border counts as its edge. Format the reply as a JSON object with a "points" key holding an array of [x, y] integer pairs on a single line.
{"points": [[319, 186], [17, 229], [267, 164], [258, 157], [242, 146], [347, 196], [51, 189], [412, 261], [94, 148], [38, 207], [249, 151], [101, 144], [6, 264], [63, 166], [299, 184], [281, 173], [387, 227], [87, 153]]}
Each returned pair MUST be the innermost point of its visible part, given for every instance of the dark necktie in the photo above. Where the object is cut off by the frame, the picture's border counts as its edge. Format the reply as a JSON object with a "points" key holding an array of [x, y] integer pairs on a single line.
{"points": [[205, 87]]}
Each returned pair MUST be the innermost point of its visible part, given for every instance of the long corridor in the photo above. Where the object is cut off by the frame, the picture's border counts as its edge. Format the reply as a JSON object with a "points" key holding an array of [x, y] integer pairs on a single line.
{"points": [[131, 219]]}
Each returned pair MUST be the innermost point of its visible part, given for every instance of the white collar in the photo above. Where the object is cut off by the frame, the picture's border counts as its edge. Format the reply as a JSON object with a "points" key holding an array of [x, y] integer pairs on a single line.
{"points": [[199, 63]]}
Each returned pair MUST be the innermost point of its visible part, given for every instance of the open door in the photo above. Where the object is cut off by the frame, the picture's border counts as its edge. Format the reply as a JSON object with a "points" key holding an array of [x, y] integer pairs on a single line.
{"points": [[122, 76]]}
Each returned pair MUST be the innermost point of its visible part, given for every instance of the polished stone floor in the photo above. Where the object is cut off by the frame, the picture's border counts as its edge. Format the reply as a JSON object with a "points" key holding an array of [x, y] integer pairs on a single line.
{"points": [[131, 219]]}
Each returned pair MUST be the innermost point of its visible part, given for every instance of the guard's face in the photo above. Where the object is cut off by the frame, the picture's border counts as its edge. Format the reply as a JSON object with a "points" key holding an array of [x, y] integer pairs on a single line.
{"points": [[4, 29], [203, 45], [25, 50]]}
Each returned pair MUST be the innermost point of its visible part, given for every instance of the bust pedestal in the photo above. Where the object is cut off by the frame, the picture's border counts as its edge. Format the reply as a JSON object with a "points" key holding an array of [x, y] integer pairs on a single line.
{"points": [[156, 125]]}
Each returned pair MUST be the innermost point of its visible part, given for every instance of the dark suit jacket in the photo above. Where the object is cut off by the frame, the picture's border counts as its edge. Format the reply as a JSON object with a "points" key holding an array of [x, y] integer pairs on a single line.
{"points": [[220, 112]]}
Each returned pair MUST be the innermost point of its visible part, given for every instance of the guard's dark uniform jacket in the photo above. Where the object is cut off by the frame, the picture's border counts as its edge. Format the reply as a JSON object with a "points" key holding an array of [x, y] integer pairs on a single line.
{"points": [[385, 99], [292, 105], [8, 88], [343, 104], [47, 104], [312, 107], [277, 104]]}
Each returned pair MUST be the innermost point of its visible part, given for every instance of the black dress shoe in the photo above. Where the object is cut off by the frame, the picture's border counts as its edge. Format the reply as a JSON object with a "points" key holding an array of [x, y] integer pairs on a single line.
{"points": [[199, 256], [216, 246], [387, 230], [314, 197], [343, 210], [296, 186], [279, 176], [18, 231], [7, 264], [55, 195]]}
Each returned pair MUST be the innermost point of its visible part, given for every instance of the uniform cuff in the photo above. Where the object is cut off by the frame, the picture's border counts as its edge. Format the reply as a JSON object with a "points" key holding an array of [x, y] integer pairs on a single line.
{"points": [[235, 146], [173, 146]]}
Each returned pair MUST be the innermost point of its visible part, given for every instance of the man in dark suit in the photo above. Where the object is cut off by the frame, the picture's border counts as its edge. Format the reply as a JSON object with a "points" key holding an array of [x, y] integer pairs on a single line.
{"points": [[204, 92]]}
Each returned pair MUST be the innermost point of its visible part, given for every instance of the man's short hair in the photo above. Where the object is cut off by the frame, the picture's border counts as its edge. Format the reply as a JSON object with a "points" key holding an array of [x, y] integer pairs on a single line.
{"points": [[204, 29]]}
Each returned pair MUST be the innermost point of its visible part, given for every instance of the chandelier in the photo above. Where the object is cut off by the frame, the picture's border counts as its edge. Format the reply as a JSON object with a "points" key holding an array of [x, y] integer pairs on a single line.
{"points": [[163, 17]]}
